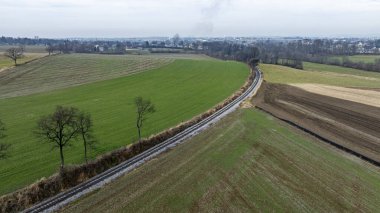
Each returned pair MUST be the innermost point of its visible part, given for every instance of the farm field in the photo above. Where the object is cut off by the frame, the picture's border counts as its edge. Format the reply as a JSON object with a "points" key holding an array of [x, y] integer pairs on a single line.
{"points": [[337, 103], [363, 96], [179, 90], [340, 70], [358, 58], [248, 162], [354, 125], [62, 71], [183, 56], [321, 74]]}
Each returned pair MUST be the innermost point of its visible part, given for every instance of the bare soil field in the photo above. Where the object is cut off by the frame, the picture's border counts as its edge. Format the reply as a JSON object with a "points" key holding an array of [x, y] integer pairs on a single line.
{"points": [[369, 97], [352, 125]]}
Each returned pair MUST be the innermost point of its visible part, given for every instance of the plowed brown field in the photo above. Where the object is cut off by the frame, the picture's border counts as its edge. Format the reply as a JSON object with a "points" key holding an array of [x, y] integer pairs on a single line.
{"points": [[353, 125]]}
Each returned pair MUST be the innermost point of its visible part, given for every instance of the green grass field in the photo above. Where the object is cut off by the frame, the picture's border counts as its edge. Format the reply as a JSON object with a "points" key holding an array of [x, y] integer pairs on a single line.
{"points": [[321, 74], [62, 71], [180, 90], [358, 58], [248, 162], [339, 70]]}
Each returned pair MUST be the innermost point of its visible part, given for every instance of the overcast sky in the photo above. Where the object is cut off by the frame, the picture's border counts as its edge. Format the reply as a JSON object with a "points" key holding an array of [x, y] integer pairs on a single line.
{"points": [[141, 18]]}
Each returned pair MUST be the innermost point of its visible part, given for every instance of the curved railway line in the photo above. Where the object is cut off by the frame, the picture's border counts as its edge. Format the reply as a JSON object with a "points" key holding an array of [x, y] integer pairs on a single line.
{"points": [[98, 181]]}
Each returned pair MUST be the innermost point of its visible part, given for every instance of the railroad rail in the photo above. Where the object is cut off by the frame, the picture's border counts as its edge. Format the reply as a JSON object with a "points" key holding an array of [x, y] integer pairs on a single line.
{"points": [[98, 181]]}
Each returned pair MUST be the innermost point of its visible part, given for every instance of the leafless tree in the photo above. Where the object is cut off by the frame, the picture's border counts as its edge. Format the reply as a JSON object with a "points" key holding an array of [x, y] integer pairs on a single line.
{"points": [[3, 147], [84, 125], [144, 107], [14, 53], [59, 128], [50, 49]]}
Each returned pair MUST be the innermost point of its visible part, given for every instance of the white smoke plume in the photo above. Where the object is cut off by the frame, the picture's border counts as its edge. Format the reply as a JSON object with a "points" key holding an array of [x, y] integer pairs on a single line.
{"points": [[206, 24]]}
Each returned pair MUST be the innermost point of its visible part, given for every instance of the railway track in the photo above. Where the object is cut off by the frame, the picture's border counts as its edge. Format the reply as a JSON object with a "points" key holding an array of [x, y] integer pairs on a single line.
{"points": [[98, 181]]}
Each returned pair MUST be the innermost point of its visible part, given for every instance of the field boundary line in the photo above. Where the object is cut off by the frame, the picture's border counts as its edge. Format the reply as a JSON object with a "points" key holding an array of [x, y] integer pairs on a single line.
{"points": [[325, 140]]}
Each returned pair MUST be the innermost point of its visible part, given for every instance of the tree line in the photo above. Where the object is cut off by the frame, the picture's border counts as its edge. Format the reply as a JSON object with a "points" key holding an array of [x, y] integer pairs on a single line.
{"points": [[318, 51], [292, 53], [232, 51], [68, 124], [87, 47], [287, 52], [345, 61], [251, 54]]}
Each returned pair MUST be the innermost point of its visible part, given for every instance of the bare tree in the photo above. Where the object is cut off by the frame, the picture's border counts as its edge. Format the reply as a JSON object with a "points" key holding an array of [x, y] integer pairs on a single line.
{"points": [[14, 53], [61, 48], [50, 49], [84, 125], [59, 128], [144, 107]]}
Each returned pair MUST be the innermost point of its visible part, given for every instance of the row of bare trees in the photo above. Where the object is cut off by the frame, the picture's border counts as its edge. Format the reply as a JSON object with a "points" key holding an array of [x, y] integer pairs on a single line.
{"points": [[15, 53], [68, 124], [63, 125], [59, 128]]}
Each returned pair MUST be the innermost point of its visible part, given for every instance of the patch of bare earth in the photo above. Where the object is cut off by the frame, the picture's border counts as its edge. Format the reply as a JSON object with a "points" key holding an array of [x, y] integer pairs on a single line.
{"points": [[350, 76], [369, 97], [373, 89], [348, 123], [246, 104]]}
